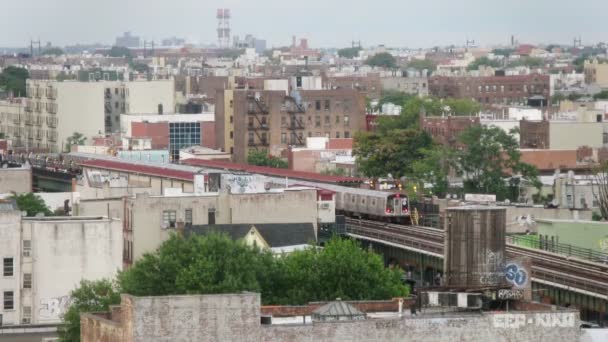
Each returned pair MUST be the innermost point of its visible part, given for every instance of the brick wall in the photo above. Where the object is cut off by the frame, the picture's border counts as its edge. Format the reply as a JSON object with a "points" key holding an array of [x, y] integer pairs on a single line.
{"points": [[157, 131]]}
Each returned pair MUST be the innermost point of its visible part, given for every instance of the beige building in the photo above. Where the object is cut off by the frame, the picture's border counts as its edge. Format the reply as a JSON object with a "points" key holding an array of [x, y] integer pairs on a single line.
{"points": [[16, 179], [45, 258], [596, 73], [410, 85], [149, 220], [12, 113], [55, 110]]}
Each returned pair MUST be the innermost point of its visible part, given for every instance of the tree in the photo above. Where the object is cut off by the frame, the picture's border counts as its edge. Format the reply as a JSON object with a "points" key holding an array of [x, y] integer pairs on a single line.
{"points": [[503, 52], [394, 151], [422, 64], [489, 157], [342, 269], [119, 51], [263, 158], [12, 79], [462, 106], [54, 51], [557, 98], [602, 95], [76, 139], [351, 52], [433, 169], [89, 296], [483, 61], [32, 204], [383, 59], [530, 62]]}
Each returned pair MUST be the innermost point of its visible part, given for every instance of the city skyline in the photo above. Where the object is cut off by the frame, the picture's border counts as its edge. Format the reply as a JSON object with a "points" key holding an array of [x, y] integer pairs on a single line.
{"points": [[398, 24]]}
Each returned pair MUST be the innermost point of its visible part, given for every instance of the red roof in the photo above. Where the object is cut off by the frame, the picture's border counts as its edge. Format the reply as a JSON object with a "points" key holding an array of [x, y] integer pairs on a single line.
{"points": [[340, 144], [270, 171], [139, 168]]}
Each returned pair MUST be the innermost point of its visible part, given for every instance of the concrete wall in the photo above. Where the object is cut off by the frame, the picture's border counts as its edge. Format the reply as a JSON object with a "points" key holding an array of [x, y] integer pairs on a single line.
{"points": [[410, 85], [572, 135], [583, 234], [236, 317], [18, 180], [144, 97], [65, 251], [10, 247], [99, 207]]}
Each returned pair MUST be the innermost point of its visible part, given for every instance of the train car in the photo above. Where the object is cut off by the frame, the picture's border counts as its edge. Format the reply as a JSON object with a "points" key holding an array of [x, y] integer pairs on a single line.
{"points": [[363, 203]]}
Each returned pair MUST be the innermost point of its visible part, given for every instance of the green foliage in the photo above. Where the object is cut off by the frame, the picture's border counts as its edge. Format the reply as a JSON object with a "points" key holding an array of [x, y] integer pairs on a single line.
{"points": [[383, 59], [483, 61], [340, 270], [76, 139], [393, 151], [263, 158], [89, 296], [503, 52], [557, 98], [574, 96], [463, 106], [119, 51], [230, 53], [12, 79], [140, 67], [217, 264], [422, 64], [530, 62], [595, 216], [62, 76], [603, 95], [433, 169], [32, 204], [54, 51], [351, 52], [2, 135], [489, 156]]}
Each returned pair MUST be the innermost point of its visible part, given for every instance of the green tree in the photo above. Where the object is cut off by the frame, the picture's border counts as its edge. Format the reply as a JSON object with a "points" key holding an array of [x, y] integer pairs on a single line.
{"points": [[263, 158], [463, 106], [433, 169], [89, 296], [530, 62], [342, 269], [140, 67], [488, 158], [394, 151], [483, 61], [383, 59], [503, 52], [54, 51], [557, 98], [32, 204], [12, 79], [350, 52], [75, 139], [422, 64], [119, 51], [574, 96], [603, 95]]}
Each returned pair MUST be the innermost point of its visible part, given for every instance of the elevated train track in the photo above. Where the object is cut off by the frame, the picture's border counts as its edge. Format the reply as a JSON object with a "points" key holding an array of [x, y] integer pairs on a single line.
{"points": [[569, 273]]}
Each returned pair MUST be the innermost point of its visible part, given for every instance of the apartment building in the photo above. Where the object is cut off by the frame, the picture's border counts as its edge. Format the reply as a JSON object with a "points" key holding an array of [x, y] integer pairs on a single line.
{"points": [[272, 120], [54, 110], [596, 72], [43, 259], [562, 135], [409, 85], [12, 112], [492, 90], [446, 130]]}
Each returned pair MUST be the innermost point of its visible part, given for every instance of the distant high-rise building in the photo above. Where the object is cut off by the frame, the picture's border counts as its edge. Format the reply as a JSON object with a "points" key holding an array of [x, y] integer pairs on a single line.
{"points": [[127, 40], [223, 27]]}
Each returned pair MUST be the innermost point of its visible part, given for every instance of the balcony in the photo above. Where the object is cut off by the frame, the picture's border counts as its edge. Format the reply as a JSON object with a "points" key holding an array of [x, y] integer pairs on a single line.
{"points": [[261, 127]]}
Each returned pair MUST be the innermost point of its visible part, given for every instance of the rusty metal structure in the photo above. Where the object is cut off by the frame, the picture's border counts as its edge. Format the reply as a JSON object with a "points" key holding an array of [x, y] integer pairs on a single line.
{"points": [[474, 251]]}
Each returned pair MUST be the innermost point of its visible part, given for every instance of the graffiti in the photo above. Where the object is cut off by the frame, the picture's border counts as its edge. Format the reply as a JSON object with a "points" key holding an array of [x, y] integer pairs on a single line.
{"points": [[516, 275], [544, 320], [511, 294], [53, 308]]}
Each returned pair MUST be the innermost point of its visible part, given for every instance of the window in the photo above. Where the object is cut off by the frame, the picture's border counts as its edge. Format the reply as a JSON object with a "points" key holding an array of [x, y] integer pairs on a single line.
{"points": [[231, 119], [188, 216], [27, 280], [9, 300], [231, 135], [8, 267], [116, 104], [169, 218], [317, 121], [327, 104], [251, 137], [346, 120], [337, 135], [337, 119], [346, 135], [283, 120], [318, 105], [211, 216], [27, 248], [250, 122], [326, 119], [283, 138], [115, 91]]}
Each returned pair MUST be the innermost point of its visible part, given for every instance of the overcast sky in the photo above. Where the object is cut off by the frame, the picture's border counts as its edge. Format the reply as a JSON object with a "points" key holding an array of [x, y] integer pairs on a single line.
{"points": [[411, 23]]}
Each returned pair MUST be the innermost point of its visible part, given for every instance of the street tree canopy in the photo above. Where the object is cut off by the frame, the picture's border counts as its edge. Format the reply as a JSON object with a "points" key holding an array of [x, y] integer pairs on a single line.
{"points": [[383, 59], [12, 79], [483, 61], [264, 158], [32, 204], [119, 51], [350, 52]]}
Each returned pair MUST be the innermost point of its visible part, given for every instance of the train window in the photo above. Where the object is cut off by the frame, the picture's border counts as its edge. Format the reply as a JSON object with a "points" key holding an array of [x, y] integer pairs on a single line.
{"points": [[363, 200], [373, 202]]}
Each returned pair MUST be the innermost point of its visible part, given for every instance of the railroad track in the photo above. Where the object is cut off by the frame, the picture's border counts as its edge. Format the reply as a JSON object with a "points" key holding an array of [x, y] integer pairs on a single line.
{"points": [[560, 270]]}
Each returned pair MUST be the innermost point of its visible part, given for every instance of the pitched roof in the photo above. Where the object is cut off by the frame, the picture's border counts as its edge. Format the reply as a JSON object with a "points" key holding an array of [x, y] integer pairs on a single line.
{"points": [[270, 171], [337, 309], [275, 234]]}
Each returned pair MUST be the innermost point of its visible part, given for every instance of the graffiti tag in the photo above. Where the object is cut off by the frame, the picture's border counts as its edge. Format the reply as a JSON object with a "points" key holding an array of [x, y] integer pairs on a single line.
{"points": [[510, 294], [516, 275], [545, 320], [53, 308]]}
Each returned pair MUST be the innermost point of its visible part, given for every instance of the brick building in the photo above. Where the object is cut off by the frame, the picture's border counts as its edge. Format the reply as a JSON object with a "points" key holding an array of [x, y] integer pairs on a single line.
{"points": [[445, 130], [492, 90], [369, 84], [253, 120], [534, 134]]}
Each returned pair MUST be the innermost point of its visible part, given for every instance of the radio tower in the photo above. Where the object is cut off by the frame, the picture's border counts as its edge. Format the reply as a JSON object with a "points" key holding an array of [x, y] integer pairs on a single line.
{"points": [[223, 27]]}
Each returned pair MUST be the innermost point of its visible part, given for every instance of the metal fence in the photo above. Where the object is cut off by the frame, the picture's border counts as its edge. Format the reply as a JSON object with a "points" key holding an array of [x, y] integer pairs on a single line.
{"points": [[533, 241]]}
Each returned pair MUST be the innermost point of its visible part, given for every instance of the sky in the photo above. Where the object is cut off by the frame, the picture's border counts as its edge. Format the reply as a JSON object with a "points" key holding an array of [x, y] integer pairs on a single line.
{"points": [[326, 23]]}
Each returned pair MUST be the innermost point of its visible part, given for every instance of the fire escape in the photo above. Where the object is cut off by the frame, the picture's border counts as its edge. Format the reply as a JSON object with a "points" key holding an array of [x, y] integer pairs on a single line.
{"points": [[295, 125], [257, 126]]}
